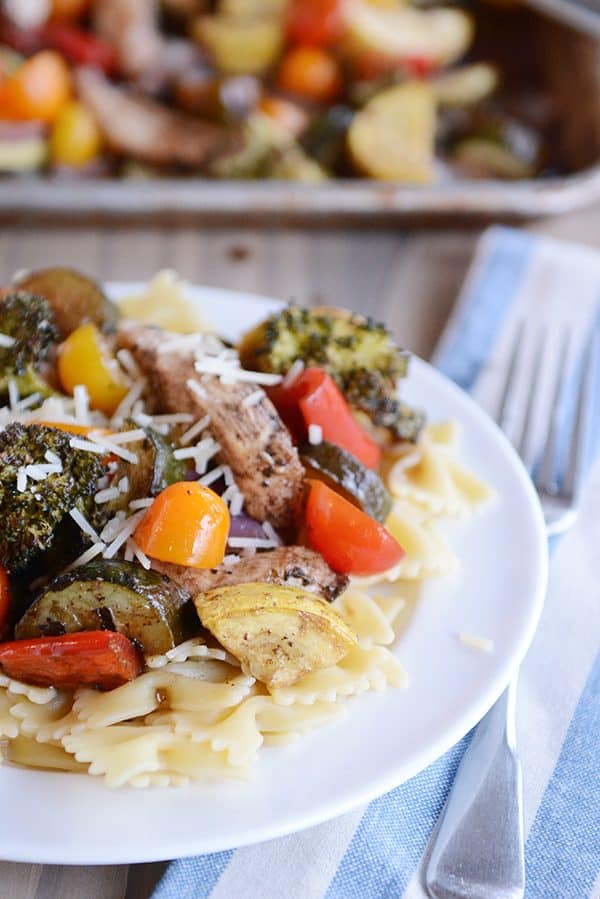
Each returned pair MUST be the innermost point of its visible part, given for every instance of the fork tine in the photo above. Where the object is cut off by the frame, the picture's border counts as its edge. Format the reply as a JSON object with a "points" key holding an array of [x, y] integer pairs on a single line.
{"points": [[578, 444], [547, 478], [522, 445], [511, 377]]}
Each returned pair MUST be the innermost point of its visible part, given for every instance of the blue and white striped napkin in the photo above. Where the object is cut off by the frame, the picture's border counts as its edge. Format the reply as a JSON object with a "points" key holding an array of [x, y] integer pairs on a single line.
{"points": [[375, 852]]}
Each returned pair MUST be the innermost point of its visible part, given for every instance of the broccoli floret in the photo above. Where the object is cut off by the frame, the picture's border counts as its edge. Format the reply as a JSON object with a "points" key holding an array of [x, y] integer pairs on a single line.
{"points": [[30, 517], [369, 392], [358, 353], [29, 322]]}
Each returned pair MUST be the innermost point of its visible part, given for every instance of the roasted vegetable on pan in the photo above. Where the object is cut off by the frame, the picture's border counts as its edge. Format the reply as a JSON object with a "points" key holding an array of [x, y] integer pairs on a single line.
{"points": [[145, 606], [141, 88], [278, 633], [392, 138]]}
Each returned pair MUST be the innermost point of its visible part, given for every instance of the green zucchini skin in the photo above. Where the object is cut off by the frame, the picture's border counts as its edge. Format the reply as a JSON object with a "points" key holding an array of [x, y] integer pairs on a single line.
{"points": [[143, 605], [344, 472], [156, 469]]}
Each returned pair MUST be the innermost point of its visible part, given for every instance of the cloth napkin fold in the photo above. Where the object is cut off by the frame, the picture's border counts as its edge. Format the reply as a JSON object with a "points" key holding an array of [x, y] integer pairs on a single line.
{"points": [[376, 852]]}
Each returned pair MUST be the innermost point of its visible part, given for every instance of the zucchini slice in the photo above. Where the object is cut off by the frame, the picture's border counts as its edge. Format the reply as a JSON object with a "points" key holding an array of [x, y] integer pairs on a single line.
{"points": [[145, 606], [348, 476], [155, 469], [278, 633]]}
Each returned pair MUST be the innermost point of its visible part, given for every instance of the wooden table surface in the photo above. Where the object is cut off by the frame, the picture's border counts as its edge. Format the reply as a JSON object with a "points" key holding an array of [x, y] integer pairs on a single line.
{"points": [[408, 278]]}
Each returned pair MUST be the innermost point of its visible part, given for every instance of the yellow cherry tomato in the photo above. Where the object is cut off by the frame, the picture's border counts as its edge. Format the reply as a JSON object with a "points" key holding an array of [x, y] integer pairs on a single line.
{"points": [[38, 89], [85, 359], [187, 524], [75, 138]]}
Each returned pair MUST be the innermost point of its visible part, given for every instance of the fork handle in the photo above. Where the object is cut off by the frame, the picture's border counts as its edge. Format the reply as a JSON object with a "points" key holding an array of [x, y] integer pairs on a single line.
{"points": [[477, 850]]}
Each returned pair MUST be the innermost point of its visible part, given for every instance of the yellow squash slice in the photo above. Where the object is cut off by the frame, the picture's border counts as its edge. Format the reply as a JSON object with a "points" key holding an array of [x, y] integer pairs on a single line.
{"points": [[439, 35], [279, 634], [392, 138], [240, 46]]}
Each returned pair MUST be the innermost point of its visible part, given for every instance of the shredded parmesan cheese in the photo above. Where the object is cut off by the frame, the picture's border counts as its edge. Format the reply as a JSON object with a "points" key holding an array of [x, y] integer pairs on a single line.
{"points": [[482, 644], [196, 387], [253, 398], [77, 443], [211, 365], [13, 394], [84, 524], [28, 402], [126, 530], [315, 434], [296, 369], [237, 503], [256, 542], [195, 430], [128, 436], [231, 559], [139, 554], [82, 403], [137, 504], [127, 360], [212, 476], [106, 496], [125, 407], [95, 550]]}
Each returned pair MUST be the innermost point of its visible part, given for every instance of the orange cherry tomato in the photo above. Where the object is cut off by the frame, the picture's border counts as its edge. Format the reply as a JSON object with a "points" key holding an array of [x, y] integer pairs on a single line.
{"points": [[350, 541], [4, 601], [187, 524], [315, 23], [36, 90], [84, 358], [311, 73]]}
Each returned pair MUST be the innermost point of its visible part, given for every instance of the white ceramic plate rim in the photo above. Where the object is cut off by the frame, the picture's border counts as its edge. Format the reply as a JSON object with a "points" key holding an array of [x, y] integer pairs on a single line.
{"points": [[19, 843]]}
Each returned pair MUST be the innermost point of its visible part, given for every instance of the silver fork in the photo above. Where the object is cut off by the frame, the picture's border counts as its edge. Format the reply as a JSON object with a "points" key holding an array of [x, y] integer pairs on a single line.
{"points": [[477, 848]]}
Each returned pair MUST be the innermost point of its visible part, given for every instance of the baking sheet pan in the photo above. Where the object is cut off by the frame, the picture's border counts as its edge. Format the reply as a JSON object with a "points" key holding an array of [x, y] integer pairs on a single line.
{"points": [[533, 52]]}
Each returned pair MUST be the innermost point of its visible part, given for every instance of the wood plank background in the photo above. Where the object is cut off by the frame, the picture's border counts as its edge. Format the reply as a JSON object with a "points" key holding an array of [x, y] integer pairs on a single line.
{"points": [[407, 278]]}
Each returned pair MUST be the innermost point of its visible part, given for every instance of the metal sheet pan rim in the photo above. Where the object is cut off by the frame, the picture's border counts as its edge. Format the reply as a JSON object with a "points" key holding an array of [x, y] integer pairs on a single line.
{"points": [[349, 198]]}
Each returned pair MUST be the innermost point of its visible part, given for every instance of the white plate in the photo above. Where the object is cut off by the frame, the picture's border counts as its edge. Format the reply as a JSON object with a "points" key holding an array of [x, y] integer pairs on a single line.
{"points": [[384, 739]]}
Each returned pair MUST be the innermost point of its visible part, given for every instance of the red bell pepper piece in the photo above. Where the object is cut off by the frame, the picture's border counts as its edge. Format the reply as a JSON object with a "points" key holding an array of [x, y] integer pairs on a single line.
{"points": [[350, 541], [79, 46], [313, 398], [4, 601], [102, 659]]}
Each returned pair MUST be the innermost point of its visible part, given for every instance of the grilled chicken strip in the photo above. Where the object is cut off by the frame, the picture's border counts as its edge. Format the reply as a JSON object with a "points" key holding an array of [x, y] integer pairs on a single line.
{"points": [[290, 566], [139, 127], [131, 27], [253, 440]]}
